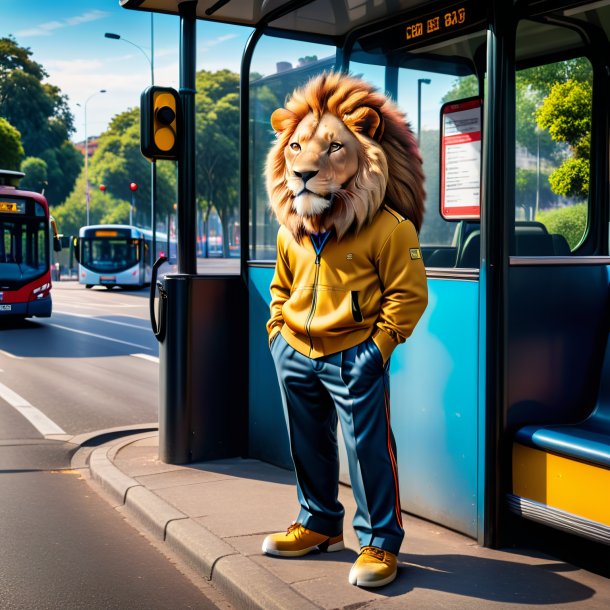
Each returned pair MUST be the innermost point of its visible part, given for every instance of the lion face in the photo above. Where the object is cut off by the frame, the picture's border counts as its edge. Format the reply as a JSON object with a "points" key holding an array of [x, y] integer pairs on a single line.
{"points": [[321, 159], [342, 151]]}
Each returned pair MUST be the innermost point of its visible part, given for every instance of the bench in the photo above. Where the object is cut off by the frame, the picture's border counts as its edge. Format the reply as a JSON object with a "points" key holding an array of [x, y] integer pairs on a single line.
{"points": [[561, 473]]}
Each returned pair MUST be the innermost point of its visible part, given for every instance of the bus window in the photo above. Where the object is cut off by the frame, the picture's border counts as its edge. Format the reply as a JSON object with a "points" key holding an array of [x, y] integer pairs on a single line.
{"points": [[552, 160], [278, 67]]}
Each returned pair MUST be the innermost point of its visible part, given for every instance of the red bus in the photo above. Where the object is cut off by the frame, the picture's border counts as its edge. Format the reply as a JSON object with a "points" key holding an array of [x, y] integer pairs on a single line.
{"points": [[26, 233]]}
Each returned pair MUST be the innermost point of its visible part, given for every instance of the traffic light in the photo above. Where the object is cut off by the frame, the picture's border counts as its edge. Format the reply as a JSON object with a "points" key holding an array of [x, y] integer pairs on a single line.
{"points": [[160, 123]]}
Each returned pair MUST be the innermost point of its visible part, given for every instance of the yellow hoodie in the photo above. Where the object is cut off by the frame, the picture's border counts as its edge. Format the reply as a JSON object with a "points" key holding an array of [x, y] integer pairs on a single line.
{"points": [[372, 284]]}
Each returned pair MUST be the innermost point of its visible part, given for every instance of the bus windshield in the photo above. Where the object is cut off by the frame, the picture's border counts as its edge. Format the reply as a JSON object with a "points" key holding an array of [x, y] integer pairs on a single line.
{"points": [[105, 254], [24, 250]]}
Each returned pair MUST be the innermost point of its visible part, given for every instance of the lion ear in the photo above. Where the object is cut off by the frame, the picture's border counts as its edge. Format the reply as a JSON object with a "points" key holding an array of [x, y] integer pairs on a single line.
{"points": [[282, 119], [365, 120]]}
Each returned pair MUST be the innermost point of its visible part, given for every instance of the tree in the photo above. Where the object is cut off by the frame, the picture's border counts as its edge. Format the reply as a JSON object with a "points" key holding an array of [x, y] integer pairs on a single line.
{"points": [[566, 113], [217, 143], [41, 114], [117, 163], [35, 171], [11, 149]]}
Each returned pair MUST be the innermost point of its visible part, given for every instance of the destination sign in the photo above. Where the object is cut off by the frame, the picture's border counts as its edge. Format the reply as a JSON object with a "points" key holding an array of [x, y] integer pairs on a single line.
{"points": [[12, 207], [106, 233], [443, 21]]}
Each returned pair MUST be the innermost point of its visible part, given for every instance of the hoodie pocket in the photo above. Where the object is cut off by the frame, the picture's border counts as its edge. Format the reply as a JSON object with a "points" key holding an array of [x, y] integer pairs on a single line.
{"points": [[356, 313]]}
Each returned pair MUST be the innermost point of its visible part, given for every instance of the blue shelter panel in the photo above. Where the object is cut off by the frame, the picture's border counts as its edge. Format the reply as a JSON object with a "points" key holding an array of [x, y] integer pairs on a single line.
{"points": [[434, 398], [268, 439]]}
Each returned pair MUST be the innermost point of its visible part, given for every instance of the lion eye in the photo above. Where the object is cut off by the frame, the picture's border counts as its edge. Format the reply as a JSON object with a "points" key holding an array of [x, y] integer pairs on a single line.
{"points": [[295, 146], [334, 147]]}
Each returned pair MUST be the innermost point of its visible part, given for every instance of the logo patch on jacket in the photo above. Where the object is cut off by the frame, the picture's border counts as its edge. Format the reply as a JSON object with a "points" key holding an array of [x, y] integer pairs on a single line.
{"points": [[415, 253]]}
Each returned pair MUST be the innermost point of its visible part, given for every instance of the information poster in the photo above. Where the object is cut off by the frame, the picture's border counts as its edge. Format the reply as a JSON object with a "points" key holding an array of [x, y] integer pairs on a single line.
{"points": [[461, 159]]}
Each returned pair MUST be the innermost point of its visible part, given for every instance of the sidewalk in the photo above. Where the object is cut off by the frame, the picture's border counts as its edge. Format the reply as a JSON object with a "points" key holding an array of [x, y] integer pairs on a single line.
{"points": [[214, 516]]}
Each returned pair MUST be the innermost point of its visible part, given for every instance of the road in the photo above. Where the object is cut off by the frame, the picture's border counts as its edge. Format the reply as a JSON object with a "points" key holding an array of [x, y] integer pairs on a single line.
{"points": [[92, 366]]}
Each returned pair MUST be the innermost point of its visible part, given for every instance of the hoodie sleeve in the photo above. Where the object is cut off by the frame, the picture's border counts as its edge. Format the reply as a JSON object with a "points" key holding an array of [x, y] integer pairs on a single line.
{"points": [[280, 287], [404, 288]]}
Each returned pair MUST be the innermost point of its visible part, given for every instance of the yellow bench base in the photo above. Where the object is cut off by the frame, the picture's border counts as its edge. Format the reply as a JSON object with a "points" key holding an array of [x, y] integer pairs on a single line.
{"points": [[578, 488]]}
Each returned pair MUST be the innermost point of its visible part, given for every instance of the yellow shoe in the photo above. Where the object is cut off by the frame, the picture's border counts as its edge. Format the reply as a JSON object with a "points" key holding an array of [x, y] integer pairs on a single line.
{"points": [[298, 541], [373, 568]]}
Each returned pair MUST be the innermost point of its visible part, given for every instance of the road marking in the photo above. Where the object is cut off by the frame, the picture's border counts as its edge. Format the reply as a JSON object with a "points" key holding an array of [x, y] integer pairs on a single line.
{"points": [[11, 355], [146, 357], [36, 417], [82, 315], [84, 332]]}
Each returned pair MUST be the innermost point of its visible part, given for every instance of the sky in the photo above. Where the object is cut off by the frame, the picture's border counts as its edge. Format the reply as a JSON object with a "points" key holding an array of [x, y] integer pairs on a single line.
{"points": [[67, 38]]}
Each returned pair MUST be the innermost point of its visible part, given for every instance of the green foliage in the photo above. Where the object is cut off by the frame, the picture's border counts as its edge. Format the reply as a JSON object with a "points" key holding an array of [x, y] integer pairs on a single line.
{"points": [[527, 183], [466, 86], [11, 149], [64, 164], [571, 178], [39, 111], [566, 112], [35, 171], [217, 143], [117, 163], [570, 221]]}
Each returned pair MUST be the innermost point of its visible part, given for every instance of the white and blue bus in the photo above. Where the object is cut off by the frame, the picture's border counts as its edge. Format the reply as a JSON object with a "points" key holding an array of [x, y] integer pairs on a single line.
{"points": [[116, 255]]}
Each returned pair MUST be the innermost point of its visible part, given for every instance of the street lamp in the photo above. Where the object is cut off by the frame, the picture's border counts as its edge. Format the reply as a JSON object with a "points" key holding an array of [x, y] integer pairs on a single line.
{"points": [[153, 167], [420, 82], [87, 152]]}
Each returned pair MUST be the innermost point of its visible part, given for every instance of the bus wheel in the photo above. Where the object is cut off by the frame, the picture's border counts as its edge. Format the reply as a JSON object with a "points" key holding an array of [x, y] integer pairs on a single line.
{"points": [[88, 286]]}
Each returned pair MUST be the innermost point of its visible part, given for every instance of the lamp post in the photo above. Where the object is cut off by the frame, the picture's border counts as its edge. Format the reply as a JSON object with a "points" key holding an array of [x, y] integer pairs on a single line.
{"points": [[420, 82], [87, 152], [153, 167]]}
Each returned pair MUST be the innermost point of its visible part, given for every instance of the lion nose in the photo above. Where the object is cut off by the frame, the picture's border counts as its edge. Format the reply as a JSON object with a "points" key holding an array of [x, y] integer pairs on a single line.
{"points": [[305, 176]]}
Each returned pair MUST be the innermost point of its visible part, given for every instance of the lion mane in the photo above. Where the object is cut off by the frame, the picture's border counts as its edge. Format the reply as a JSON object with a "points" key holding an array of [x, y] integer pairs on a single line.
{"points": [[389, 162]]}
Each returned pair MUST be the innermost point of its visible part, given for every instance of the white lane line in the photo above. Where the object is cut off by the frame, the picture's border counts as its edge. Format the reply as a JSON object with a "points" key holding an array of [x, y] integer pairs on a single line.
{"points": [[11, 355], [84, 332], [146, 357], [36, 417], [82, 315]]}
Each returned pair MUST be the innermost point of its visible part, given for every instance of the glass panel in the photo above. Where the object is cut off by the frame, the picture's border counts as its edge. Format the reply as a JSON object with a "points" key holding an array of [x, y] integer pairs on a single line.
{"points": [[278, 67], [23, 250], [553, 138], [110, 255], [420, 82]]}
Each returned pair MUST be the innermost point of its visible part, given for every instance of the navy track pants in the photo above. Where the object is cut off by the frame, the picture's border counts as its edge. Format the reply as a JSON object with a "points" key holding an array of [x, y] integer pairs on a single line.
{"points": [[352, 386]]}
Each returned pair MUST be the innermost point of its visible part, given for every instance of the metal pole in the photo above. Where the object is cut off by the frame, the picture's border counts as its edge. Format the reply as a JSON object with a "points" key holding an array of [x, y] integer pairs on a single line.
{"points": [[420, 81], [153, 166], [497, 225], [86, 166], [186, 166], [87, 153]]}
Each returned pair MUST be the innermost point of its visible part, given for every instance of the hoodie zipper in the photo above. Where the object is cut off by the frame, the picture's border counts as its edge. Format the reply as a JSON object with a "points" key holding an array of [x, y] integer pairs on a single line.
{"points": [[314, 299]]}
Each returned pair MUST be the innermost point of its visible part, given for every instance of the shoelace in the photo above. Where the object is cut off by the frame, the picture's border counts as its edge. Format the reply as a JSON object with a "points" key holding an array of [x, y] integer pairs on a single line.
{"points": [[373, 552], [295, 526]]}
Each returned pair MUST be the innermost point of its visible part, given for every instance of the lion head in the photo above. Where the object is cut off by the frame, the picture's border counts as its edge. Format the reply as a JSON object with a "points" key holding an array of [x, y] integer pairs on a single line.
{"points": [[343, 150]]}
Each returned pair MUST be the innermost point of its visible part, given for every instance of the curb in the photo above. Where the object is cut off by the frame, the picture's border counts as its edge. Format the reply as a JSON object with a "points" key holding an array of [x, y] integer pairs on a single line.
{"points": [[244, 582]]}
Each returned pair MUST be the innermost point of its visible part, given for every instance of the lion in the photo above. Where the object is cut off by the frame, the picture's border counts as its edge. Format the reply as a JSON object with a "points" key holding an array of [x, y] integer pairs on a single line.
{"points": [[342, 151]]}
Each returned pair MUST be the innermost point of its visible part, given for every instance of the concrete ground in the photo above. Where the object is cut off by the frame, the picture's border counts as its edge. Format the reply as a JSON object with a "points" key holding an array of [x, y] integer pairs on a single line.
{"points": [[213, 516]]}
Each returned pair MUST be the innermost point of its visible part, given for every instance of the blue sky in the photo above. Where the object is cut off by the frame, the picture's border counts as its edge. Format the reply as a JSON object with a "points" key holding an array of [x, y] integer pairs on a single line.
{"points": [[67, 38]]}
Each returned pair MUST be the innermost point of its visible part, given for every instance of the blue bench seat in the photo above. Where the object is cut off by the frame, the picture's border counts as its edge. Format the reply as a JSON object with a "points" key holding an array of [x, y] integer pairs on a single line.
{"points": [[589, 441]]}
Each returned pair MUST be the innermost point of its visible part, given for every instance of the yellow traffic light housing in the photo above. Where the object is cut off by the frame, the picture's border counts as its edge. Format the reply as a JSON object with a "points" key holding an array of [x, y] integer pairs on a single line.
{"points": [[160, 123]]}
